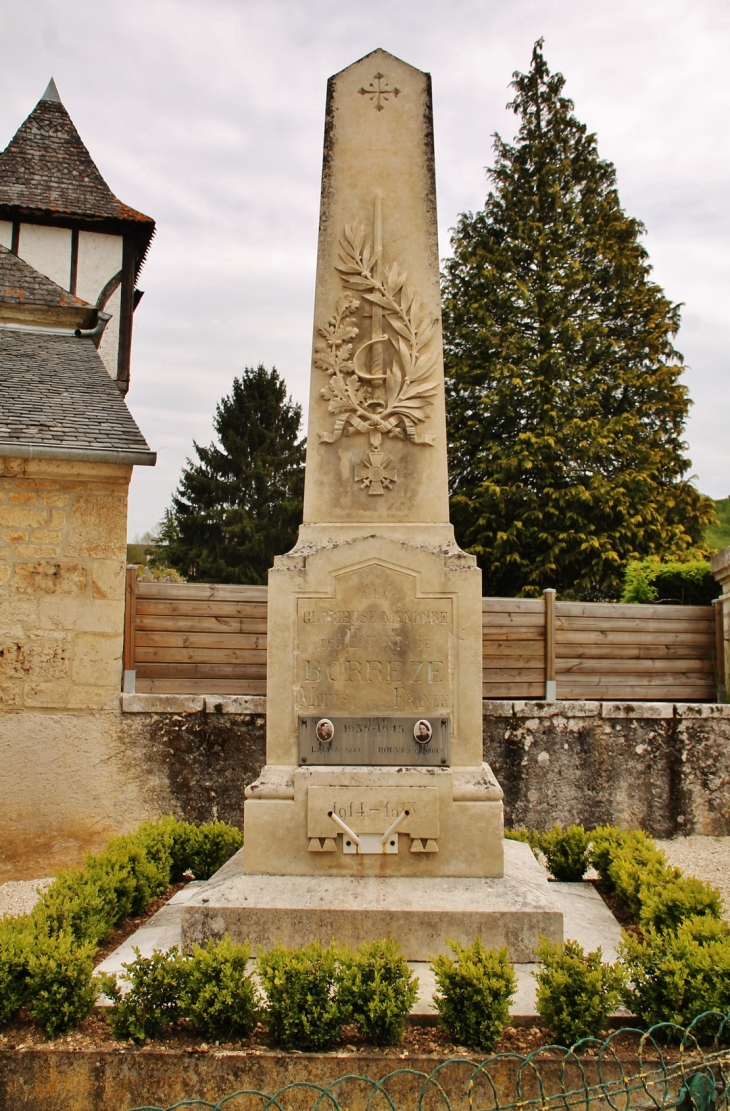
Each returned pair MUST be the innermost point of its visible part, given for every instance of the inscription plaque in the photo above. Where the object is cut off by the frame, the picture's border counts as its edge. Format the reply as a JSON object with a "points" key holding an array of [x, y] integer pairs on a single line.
{"points": [[375, 740], [375, 646]]}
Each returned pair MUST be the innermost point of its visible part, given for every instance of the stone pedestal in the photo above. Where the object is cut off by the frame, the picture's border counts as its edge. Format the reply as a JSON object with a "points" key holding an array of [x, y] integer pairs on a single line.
{"points": [[515, 910], [375, 631]]}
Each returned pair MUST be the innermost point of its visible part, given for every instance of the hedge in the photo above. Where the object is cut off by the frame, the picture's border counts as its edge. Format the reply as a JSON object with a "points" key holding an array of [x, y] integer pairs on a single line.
{"points": [[674, 967], [46, 957]]}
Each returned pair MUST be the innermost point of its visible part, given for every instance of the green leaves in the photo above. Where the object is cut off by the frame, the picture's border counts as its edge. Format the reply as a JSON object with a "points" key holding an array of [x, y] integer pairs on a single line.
{"points": [[378, 990], [676, 975], [686, 582], [46, 957], [151, 1004], [576, 991], [474, 993], [304, 1009], [15, 943], [566, 852], [60, 990], [565, 407], [219, 997]]}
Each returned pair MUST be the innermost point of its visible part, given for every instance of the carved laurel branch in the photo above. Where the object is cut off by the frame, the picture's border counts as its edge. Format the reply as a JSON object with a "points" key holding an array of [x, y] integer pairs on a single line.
{"points": [[408, 391]]}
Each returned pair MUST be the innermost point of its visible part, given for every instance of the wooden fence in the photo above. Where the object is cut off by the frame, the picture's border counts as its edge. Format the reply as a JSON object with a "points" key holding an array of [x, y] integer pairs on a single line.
{"points": [[190, 638], [194, 638], [595, 650]]}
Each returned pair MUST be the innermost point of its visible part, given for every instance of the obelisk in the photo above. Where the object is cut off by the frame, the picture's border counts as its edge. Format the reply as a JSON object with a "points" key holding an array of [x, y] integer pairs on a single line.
{"points": [[375, 616], [375, 815]]}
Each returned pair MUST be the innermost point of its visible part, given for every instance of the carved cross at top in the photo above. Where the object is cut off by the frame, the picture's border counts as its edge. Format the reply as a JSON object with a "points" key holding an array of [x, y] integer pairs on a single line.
{"points": [[378, 94]]}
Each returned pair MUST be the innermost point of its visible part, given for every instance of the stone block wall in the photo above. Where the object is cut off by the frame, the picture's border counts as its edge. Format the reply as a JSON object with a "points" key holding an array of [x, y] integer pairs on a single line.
{"points": [[662, 766], [70, 781], [62, 557]]}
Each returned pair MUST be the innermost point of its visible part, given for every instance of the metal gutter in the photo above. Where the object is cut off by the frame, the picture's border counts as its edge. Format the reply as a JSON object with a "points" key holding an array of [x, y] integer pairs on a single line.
{"points": [[6, 326], [78, 455]]}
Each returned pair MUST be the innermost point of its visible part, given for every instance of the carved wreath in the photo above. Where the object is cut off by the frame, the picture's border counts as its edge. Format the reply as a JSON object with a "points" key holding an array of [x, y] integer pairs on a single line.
{"points": [[397, 400]]}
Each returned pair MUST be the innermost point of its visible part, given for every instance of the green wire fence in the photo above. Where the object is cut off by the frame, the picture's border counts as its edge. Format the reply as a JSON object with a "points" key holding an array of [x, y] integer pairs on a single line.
{"points": [[687, 1068]]}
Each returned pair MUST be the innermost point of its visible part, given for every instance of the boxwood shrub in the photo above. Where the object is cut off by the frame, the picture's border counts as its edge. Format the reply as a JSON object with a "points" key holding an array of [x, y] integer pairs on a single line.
{"points": [[576, 991], [219, 997], [676, 975], [566, 852], [304, 1007], [46, 958], [377, 989], [474, 993]]}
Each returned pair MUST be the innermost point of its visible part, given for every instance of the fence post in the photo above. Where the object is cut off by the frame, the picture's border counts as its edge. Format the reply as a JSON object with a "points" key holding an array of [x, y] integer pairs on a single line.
{"points": [[720, 564], [720, 650], [550, 685], [130, 621]]}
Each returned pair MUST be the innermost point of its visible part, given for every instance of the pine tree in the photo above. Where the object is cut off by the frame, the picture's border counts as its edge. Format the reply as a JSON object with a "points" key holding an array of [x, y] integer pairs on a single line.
{"points": [[240, 504], [565, 406]]}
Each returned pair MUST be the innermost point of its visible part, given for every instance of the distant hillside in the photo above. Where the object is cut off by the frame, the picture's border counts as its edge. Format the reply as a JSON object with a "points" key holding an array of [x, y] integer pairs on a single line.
{"points": [[719, 536]]}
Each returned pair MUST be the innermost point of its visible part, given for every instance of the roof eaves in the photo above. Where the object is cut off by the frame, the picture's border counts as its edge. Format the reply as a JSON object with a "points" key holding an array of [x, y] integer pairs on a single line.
{"points": [[13, 450]]}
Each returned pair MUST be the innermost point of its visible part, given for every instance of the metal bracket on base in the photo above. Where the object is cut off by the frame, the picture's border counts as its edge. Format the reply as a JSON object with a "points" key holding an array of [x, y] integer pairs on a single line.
{"points": [[369, 843]]}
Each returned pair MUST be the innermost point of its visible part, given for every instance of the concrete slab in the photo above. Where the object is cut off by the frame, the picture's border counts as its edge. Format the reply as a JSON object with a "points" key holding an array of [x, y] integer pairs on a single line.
{"points": [[587, 919]]}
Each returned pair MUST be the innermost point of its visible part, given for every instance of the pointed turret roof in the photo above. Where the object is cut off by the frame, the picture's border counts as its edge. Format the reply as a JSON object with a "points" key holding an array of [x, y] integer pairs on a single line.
{"points": [[46, 169]]}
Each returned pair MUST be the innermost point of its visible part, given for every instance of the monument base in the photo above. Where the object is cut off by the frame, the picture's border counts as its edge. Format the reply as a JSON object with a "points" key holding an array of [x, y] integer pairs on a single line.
{"points": [[454, 828], [420, 913]]}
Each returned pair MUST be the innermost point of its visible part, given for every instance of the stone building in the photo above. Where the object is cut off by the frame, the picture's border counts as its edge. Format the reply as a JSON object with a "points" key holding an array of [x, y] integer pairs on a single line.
{"points": [[70, 254]]}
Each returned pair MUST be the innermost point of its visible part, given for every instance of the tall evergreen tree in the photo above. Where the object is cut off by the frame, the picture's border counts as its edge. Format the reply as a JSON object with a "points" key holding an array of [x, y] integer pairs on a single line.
{"points": [[240, 504], [565, 406]]}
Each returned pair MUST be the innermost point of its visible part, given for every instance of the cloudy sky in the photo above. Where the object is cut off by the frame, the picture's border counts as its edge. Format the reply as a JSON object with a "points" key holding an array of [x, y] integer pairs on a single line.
{"points": [[208, 116]]}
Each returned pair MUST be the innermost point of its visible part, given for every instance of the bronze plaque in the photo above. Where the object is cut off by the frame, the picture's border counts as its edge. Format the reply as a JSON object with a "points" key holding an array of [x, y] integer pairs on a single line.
{"points": [[409, 741]]}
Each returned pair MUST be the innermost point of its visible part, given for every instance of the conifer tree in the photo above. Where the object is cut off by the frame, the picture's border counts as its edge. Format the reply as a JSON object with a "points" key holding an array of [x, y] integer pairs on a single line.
{"points": [[240, 504], [565, 406]]}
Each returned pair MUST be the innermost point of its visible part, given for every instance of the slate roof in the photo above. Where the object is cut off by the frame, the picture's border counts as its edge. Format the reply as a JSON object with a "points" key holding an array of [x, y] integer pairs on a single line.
{"points": [[46, 168], [21, 284], [56, 395]]}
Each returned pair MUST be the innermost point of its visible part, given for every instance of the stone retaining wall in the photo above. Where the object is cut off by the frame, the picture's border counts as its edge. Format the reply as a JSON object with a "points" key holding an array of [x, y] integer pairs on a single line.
{"points": [[70, 781], [53, 1077], [663, 766]]}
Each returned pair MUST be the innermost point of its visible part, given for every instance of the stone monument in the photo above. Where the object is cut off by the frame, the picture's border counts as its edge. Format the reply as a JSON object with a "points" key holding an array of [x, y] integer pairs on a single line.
{"points": [[375, 814]]}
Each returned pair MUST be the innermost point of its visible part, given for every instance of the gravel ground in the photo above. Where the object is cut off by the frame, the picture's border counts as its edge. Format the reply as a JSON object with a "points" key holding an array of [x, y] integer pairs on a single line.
{"points": [[707, 858], [20, 896]]}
